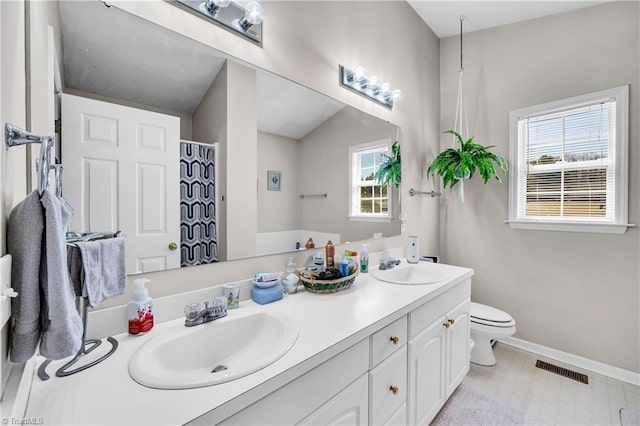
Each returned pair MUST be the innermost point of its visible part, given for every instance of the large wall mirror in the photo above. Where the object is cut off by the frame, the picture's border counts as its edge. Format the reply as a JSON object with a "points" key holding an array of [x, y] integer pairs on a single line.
{"points": [[201, 158]]}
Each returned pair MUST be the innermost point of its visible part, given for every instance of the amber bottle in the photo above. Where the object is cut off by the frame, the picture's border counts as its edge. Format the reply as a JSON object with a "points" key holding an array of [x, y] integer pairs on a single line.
{"points": [[330, 253]]}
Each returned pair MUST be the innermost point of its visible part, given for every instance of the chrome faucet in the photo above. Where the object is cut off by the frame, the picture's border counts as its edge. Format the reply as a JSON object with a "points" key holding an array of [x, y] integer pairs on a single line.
{"points": [[195, 316], [388, 263]]}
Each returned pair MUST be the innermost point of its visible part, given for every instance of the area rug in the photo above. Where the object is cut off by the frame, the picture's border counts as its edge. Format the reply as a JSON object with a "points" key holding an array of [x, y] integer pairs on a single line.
{"points": [[467, 406]]}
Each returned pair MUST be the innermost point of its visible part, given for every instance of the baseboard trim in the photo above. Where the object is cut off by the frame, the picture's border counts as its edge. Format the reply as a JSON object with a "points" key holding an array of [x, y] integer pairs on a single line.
{"points": [[578, 361], [18, 389]]}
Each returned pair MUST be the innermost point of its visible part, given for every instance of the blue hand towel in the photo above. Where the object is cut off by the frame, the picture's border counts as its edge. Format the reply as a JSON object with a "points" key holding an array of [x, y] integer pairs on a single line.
{"points": [[98, 269], [44, 310], [62, 326], [24, 242]]}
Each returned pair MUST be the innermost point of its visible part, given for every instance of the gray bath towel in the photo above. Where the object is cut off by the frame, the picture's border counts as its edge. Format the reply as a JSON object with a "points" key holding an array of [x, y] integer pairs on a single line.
{"points": [[24, 242], [62, 326], [98, 269]]}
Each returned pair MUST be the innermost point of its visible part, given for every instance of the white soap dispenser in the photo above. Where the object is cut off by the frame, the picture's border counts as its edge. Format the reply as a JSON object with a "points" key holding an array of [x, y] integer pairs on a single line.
{"points": [[140, 309], [413, 249]]}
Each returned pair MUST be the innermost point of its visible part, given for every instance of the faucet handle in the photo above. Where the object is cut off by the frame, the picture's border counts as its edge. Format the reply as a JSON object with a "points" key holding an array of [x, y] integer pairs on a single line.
{"points": [[192, 310]]}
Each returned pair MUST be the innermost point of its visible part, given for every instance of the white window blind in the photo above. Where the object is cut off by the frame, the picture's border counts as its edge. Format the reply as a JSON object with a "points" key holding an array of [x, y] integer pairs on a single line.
{"points": [[568, 161]]}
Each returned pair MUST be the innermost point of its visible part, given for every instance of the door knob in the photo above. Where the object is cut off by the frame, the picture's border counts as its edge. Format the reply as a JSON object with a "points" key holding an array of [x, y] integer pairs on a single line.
{"points": [[393, 389], [452, 321], [395, 340], [173, 246], [446, 325]]}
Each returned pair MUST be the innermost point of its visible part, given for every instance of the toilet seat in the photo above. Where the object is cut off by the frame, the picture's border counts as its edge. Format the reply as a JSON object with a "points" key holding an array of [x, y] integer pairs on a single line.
{"points": [[489, 316]]}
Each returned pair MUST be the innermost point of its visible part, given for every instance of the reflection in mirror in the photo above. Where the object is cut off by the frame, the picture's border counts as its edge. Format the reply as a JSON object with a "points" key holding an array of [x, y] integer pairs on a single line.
{"points": [[164, 138]]}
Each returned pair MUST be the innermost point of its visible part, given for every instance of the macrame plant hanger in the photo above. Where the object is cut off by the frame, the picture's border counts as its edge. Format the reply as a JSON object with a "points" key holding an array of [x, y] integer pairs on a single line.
{"points": [[461, 115]]}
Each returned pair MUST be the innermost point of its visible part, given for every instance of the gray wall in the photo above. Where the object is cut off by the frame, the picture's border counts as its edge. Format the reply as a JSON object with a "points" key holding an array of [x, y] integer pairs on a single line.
{"points": [[209, 125], [278, 210], [324, 161], [13, 162], [575, 292]]}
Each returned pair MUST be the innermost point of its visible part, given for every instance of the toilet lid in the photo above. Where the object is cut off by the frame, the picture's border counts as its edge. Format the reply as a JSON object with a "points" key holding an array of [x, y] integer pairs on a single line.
{"points": [[484, 314]]}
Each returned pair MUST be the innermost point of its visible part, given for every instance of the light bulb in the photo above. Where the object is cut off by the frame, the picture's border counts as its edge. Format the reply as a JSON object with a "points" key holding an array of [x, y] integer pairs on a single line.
{"points": [[212, 6], [359, 73], [374, 81], [385, 88], [396, 94], [254, 13]]}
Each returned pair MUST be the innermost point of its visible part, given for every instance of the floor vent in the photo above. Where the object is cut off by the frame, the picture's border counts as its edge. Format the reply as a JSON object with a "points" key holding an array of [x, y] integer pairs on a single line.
{"points": [[582, 378]]}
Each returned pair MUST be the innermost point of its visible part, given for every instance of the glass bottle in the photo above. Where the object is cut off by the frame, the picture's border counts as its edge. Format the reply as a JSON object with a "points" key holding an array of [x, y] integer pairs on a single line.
{"points": [[291, 266]]}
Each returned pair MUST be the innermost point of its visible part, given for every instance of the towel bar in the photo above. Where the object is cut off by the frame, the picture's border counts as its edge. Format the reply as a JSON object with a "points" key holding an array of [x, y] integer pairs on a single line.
{"points": [[82, 303], [87, 347], [312, 195]]}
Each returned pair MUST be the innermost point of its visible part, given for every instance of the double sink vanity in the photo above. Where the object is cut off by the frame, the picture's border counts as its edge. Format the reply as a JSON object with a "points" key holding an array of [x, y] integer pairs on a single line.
{"points": [[378, 353]]}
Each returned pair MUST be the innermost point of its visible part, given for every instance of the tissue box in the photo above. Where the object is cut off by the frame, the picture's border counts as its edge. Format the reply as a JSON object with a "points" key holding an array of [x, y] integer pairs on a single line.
{"points": [[263, 296]]}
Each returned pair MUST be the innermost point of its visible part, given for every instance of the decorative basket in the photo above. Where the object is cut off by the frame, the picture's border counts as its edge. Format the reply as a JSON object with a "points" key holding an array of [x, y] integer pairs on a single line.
{"points": [[327, 286]]}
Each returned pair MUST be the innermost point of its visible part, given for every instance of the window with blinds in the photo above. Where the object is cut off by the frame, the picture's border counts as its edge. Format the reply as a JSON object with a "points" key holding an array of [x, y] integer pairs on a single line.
{"points": [[369, 199], [568, 161]]}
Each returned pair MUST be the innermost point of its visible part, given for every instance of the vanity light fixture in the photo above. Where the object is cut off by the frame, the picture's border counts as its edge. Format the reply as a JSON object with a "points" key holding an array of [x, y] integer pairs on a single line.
{"points": [[369, 87], [246, 21]]}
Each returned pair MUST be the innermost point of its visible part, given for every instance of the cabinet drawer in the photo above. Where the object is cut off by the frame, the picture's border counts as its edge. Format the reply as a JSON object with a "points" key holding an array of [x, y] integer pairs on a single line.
{"points": [[422, 317], [391, 373], [382, 342]]}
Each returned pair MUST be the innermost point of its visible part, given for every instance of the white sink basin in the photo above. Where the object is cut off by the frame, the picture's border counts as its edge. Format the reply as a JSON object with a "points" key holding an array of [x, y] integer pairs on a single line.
{"points": [[186, 358], [410, 274]]}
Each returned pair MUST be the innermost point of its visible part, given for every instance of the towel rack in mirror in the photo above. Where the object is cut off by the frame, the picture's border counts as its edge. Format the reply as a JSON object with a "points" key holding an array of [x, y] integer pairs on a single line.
{"points": [[414, 192], [15, 136]]}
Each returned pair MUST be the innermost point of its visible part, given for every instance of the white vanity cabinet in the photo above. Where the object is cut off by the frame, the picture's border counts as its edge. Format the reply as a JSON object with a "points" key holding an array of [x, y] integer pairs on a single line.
{"points": [[401, 374], [438, 356]]}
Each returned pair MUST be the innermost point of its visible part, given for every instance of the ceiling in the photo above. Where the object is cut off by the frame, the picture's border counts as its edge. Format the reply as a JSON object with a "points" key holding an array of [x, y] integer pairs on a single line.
{"points": [[106, 52], [443, 17]]}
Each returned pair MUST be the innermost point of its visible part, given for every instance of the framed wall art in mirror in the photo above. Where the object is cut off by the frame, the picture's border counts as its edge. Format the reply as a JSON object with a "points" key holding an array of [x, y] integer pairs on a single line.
{"points": [[273, 180]]}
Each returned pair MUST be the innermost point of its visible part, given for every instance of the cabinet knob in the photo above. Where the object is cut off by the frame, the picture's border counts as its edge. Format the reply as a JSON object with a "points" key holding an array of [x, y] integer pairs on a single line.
{"points": [[395, 340], [173, 246], [393, 389], [446, 325], [452, 321]]}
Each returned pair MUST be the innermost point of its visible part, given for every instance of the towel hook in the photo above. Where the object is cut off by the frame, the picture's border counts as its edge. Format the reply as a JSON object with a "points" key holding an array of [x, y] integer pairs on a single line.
{"points": [[15, 136]]}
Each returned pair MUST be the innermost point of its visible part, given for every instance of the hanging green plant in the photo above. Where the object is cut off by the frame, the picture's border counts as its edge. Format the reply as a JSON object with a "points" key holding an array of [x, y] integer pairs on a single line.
{"points": [[390, 171], [453, 164]]}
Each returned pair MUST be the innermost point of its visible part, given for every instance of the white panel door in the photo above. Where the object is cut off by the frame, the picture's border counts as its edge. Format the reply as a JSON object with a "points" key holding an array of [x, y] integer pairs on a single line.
{"points": [[122, 172]]}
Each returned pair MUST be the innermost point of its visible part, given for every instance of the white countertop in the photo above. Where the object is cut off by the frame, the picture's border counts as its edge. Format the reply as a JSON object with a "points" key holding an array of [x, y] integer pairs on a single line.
{"points": [[329, 324]]}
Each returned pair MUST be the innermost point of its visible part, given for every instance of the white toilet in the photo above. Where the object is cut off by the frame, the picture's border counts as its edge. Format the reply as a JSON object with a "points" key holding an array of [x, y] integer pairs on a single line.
{"points": [[487, 325]]}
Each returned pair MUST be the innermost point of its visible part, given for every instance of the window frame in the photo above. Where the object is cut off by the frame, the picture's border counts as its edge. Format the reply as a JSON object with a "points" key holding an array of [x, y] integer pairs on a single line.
{"points": [[354, 194], [619, 152]]}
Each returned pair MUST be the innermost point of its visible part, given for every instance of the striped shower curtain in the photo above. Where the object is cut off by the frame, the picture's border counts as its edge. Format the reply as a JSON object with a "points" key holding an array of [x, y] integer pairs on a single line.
{"points": [[198, 239]]}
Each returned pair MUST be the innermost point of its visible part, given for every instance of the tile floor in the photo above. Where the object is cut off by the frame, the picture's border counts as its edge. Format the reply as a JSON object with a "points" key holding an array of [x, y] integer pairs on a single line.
{"points": [[557, 400]]}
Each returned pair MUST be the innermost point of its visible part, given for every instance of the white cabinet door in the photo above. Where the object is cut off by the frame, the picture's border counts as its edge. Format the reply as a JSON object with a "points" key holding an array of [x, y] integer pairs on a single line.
{"points": [[348, 408], [122, 172], [427, 352], [399, 418], [458, 345]]}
